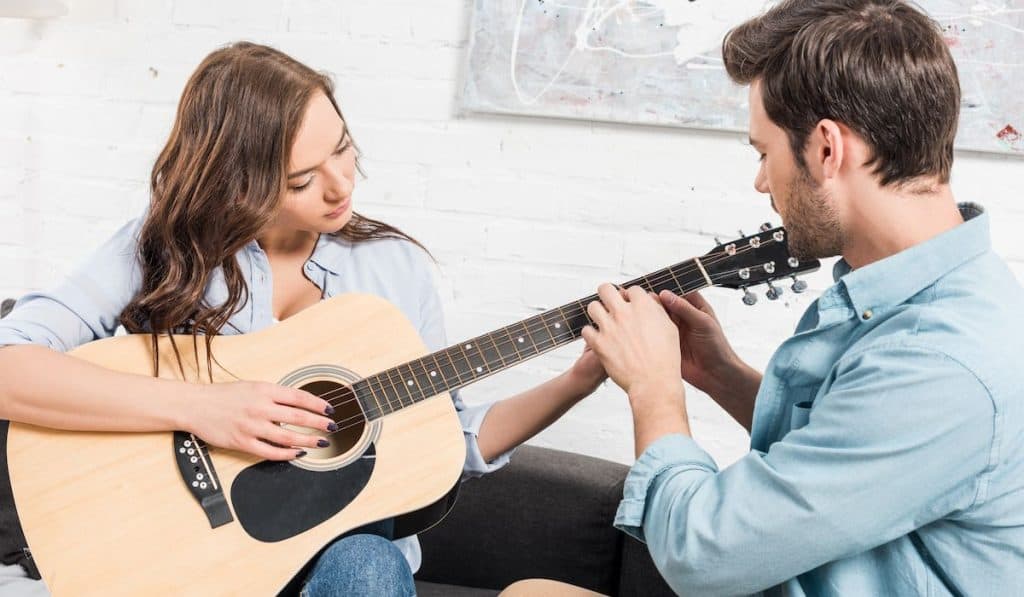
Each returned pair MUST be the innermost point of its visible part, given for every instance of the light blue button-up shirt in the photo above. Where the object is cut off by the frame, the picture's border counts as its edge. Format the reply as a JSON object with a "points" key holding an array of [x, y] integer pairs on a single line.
{"points": [[86, 306], [897, 405]]}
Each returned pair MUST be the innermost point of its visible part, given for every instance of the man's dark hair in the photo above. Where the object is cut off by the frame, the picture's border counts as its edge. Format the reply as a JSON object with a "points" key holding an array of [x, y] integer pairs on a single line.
{"points": [[881, 67]]}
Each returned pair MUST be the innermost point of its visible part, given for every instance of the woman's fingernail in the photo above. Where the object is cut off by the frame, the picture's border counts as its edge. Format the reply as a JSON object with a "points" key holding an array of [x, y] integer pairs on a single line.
{"points": [[332, 427], [329, 410], [322, 443], [300, 453]]}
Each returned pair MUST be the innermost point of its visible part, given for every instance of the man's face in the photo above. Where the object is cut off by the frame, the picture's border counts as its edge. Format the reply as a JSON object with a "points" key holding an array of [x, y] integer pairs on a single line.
{"points": [[811, 222]]}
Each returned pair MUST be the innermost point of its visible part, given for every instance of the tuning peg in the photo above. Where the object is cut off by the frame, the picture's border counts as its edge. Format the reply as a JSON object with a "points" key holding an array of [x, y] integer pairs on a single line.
{"points": [[741, 234], [717, 242], [798, 286], [774, 292], [749, 298], [766, 227]]}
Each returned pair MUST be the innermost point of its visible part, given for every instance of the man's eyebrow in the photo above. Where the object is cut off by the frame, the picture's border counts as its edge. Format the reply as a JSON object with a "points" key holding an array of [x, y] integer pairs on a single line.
{"points": [[344, 133]]}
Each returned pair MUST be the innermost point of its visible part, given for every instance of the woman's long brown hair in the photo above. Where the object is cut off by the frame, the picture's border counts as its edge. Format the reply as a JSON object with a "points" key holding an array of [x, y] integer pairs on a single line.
{"points": [[217, 183]]}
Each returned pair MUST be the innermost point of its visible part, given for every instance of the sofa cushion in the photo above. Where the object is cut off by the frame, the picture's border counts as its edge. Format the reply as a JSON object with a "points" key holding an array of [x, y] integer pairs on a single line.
{"points": [[547, 514]]}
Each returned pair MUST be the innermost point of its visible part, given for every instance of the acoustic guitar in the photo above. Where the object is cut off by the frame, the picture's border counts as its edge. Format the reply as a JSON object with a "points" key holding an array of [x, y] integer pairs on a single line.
{"points": [[164, 513]]}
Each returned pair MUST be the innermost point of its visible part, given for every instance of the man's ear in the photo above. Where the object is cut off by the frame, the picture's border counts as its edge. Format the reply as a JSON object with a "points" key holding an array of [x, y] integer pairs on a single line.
{"points": [[826, 148]]}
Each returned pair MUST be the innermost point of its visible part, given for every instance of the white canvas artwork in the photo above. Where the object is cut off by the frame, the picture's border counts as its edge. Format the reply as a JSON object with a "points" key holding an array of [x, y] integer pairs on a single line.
{"points": [[659, 62]]}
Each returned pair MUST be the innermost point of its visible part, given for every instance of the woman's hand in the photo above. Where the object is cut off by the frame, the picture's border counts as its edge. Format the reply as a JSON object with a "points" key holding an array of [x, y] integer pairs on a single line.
{"points": [[587, 373], [246, 416]]}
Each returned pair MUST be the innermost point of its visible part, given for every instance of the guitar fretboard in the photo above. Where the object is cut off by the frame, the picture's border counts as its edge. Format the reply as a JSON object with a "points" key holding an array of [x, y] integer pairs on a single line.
{"points": [[464, 363]]}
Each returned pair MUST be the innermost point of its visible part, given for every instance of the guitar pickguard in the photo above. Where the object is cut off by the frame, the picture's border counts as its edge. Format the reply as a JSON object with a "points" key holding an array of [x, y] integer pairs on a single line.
{"points": [[275, 501]]}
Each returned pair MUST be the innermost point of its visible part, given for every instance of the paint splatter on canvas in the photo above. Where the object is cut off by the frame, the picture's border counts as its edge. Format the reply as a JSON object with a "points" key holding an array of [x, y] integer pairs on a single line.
{"points": [[659, 62]]}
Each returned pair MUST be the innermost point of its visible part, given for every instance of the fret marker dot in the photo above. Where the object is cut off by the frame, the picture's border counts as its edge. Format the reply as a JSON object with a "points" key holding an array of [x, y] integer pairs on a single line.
{"points": [[520, 340], [558, 326], [468, 346], [433, 374], [410, 383], [479, 369]]}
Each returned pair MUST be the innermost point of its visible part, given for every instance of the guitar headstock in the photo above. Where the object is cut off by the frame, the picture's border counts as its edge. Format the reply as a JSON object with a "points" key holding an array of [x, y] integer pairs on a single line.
{"points": [[757, 259]]}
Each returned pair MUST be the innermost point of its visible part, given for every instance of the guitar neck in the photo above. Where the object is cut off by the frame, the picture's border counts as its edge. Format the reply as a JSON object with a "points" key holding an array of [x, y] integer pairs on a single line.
{"points": [[464, 363]]}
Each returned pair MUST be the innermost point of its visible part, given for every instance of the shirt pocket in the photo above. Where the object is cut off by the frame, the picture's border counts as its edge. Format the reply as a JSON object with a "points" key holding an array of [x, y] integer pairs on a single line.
{"points": [[800, 414], [803, 397]]}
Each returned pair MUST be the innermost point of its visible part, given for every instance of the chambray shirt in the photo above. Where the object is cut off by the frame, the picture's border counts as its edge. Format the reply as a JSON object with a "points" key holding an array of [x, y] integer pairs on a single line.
{"points": [[86, 306], [897, 405]]}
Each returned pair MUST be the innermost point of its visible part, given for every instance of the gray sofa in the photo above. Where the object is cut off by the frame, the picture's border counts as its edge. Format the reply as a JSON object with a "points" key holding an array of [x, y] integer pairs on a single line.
{"points": [[547, 514]]}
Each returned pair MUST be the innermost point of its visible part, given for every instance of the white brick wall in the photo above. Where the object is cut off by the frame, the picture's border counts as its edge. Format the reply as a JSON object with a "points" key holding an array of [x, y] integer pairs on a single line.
{"points": [[523, 214]]}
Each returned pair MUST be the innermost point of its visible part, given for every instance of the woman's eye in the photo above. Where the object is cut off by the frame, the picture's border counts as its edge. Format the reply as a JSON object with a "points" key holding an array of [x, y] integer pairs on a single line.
{"points": [[303, 187], [761, 158], [342, 149]]}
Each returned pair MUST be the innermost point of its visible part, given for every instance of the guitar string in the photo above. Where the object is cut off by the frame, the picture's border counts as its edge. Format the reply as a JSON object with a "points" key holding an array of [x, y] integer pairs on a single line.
{"points": [[529, 328], [358, 417]]}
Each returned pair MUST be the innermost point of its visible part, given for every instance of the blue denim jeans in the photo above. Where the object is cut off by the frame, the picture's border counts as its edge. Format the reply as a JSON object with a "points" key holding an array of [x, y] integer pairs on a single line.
{"points": [[360, 565]]}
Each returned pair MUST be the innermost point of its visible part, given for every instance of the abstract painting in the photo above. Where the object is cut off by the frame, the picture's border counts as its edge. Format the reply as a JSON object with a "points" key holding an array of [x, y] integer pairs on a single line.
{"points": [[659, 62]]}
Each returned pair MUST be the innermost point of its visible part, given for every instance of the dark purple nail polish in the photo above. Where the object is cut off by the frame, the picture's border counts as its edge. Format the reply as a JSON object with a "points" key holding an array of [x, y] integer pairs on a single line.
{"points": [[322, 443], [300, 453], [329, 410], [332, 427]]}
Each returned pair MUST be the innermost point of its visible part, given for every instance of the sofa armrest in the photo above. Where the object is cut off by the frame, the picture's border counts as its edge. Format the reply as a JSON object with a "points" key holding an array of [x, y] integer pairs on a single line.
{"points": [[548, 514]]}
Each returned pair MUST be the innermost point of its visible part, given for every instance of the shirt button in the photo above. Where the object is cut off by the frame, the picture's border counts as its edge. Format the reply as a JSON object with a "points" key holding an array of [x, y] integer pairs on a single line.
{"points": [[866, 315]]}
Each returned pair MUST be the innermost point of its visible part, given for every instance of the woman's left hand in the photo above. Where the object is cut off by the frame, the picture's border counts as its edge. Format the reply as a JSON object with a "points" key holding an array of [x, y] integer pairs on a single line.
{"points": [[587, 373]]}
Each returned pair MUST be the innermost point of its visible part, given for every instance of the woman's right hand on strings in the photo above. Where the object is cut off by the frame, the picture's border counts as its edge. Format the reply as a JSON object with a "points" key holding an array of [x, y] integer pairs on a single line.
{"points": [[246, 416]]}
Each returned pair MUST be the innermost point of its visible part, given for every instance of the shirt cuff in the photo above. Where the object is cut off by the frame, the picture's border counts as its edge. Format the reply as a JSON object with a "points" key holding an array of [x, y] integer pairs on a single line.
{"points": [[675, 452], [472, 417]]}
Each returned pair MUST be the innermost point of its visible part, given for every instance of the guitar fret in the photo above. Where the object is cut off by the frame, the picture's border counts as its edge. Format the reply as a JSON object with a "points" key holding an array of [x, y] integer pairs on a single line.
{"points": [[478, 366], [497, 350], [679, 287], [521, 339], [394, 389], [512, 341], [554, 342], [440, 372], [373, 394], [412, 386], [428, 377], [453, 370]]}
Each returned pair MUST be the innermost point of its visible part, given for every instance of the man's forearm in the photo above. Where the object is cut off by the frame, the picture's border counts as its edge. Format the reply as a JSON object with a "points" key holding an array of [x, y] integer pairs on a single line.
{"points": [[736, 392], [659, 409]]}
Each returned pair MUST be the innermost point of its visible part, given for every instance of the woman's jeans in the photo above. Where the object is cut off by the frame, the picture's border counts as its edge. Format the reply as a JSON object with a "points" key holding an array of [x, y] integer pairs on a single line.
{"points": [[359, 565]]}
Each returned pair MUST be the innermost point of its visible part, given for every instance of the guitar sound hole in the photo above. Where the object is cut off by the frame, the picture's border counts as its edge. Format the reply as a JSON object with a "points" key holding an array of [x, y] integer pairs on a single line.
{"points": [[347, 414]]}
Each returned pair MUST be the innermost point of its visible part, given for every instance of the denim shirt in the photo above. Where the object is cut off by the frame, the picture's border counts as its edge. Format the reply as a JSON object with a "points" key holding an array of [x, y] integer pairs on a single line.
{"points": [[86, 306], [897, 405]]}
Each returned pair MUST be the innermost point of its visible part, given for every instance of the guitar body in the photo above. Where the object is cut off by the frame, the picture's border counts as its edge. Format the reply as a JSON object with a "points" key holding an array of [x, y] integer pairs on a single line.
{"points": [[114, 513]]}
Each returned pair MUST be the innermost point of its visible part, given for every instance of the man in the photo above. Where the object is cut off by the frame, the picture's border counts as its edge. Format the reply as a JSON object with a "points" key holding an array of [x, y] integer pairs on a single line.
{"points": [[887, 435]]}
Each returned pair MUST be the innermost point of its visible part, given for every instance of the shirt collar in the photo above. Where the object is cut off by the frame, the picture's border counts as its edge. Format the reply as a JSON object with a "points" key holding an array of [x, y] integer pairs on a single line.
{"points": [[893, 280], [330, 253]]}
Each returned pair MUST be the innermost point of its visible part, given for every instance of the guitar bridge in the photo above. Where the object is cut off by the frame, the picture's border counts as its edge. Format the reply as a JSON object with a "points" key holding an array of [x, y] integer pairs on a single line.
{"points": [[200, 478]]}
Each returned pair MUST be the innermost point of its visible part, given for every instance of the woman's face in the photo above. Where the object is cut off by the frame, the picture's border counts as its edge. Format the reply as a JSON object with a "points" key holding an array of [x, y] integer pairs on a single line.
{"points": [[321, 172]]}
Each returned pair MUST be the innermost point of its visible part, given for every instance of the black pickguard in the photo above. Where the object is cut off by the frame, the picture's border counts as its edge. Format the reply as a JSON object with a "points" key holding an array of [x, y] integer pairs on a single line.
{"points": [[274, 501]]}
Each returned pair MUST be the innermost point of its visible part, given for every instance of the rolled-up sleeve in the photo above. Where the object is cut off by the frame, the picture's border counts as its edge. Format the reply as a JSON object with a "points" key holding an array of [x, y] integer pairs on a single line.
{"points": [[903, 436], [433, 333], [87, 305]]}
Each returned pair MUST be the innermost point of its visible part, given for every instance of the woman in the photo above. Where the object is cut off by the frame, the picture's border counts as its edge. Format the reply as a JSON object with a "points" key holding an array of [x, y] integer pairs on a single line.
{"points": [[250, 221]]}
